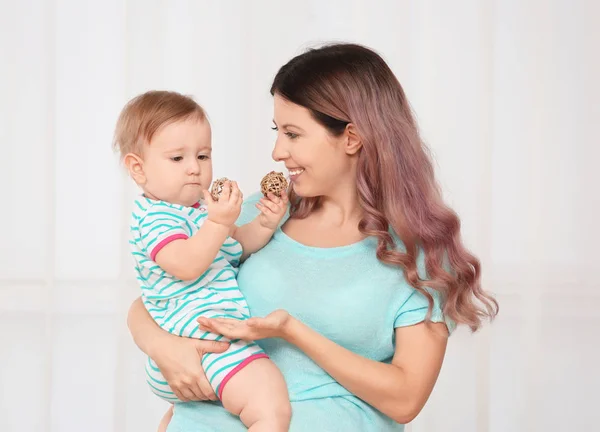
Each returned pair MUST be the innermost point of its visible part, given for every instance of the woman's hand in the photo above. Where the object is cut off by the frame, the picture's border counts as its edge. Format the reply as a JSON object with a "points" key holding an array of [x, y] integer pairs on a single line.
{"points": [[273, 325], [178, 359]]}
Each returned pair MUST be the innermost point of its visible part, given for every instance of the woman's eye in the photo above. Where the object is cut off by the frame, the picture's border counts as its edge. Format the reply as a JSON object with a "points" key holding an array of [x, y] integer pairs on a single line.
{"points": [[177, 158], [290, 135]]}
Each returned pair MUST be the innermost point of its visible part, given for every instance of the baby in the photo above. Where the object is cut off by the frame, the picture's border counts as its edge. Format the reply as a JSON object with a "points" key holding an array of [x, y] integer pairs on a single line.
{"points": [[187, 250]]}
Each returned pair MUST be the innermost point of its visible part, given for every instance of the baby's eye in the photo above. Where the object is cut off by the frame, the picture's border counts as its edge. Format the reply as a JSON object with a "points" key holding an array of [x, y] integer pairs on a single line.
{"points": [[177, 158], [203, 157]]}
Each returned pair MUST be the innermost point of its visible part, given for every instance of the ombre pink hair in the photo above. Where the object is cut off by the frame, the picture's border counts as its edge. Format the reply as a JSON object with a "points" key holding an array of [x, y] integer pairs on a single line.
{"points": [[347, 83]]}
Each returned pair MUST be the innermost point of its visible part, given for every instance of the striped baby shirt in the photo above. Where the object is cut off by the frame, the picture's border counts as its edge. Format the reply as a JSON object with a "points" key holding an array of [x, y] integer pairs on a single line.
{"points": [[176, 304]]}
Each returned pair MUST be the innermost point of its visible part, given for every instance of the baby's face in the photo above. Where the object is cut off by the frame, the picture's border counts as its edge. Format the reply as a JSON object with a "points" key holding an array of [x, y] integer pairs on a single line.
{"points": [[177, 163]]}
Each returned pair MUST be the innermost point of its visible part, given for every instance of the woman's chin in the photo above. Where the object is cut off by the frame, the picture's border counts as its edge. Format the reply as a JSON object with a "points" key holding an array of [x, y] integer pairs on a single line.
{"points": [[307, 194], [299, 191]]}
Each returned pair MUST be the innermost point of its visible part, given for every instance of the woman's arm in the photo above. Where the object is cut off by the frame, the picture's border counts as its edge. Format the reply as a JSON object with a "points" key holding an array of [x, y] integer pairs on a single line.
{"points": [[399, 390], [177, 358]]}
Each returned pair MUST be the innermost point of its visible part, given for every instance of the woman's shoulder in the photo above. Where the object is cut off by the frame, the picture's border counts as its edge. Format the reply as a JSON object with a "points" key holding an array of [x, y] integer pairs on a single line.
{"points": [[411, 305]]}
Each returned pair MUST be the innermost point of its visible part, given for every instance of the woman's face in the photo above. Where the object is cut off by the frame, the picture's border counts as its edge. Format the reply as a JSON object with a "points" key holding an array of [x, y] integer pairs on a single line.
{"points": [[317, 162]]}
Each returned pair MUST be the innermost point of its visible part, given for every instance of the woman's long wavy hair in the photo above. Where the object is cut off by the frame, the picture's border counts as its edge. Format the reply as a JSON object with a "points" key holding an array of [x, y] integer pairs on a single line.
{"points": [[347, 83]]}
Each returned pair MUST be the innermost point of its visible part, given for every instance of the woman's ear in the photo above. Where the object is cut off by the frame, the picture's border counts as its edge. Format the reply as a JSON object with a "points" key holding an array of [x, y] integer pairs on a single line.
{"points": [[353, 142], [135, 166]]}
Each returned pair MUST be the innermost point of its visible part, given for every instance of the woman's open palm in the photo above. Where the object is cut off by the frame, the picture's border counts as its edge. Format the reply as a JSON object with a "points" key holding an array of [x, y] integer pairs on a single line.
{"points": [[273, 325]]}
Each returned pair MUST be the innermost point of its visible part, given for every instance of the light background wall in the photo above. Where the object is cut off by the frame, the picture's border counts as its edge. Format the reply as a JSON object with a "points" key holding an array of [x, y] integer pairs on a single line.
{"points": [[506, 93]]}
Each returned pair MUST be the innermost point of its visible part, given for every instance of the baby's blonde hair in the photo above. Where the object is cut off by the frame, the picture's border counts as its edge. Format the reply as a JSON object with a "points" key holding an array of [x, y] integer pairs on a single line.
{"points": [[145, 114]]}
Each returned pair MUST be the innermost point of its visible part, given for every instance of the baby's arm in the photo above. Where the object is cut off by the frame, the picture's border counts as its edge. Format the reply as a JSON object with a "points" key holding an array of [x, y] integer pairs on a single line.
{"points": [[252, 236], [255, 235], [187, 259]]}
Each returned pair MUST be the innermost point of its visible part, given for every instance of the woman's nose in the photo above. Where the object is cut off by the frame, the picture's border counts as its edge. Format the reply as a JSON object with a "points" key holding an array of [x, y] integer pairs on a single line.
{"points": [[280, 151]]}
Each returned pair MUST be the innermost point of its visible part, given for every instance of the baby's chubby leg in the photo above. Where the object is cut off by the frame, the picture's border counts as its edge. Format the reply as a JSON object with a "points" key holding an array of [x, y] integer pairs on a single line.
{"points": [[164, 423], [258, 395]]}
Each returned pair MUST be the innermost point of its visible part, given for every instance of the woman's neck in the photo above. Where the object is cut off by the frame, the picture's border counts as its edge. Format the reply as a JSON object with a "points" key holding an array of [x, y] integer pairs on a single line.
{"points": [[341, 207]]}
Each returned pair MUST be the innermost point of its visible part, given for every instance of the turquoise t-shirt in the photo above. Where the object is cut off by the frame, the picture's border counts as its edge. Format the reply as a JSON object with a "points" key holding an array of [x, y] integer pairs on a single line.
{"points": [[344, 293]]}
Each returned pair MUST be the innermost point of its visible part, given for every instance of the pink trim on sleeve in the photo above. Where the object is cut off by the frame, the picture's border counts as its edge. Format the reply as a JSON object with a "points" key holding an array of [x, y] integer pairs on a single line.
{"points": [[165, 242], [238, 368]]}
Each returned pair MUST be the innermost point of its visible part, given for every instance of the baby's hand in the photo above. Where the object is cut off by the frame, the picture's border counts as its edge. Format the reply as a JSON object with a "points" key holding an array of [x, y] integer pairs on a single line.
{"points": [[272, 209], [227, 210]]}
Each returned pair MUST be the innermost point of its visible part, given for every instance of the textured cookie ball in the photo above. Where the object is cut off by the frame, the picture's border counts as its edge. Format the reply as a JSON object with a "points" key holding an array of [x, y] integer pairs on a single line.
{"points": [[274, 182], [217, 188]]}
